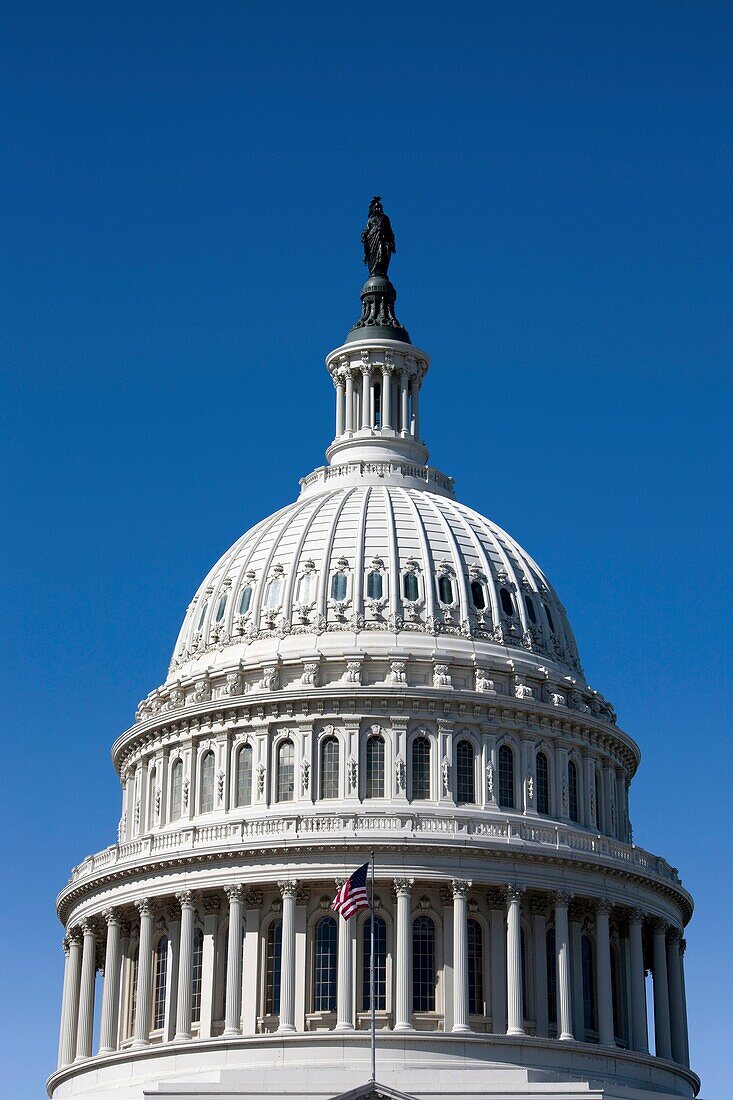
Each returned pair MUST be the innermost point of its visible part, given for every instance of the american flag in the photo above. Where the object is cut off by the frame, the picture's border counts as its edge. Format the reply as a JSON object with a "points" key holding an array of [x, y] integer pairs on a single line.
{"points": [[353, 895]]}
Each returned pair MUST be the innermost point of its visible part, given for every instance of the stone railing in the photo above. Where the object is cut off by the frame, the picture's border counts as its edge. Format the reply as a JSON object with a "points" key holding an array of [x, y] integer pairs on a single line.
{"points": [[383, 469], [479, 832]]}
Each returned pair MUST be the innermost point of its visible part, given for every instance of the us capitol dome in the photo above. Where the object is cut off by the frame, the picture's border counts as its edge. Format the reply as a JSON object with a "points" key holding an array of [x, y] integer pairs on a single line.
{"points": [[374, 668]]}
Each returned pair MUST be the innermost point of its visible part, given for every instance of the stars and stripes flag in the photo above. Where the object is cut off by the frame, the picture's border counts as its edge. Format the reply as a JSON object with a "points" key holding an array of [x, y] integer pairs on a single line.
{"points": [[353, 895]]}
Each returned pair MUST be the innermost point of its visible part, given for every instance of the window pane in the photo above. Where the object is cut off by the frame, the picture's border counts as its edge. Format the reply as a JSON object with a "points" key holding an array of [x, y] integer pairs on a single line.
{"points": [[196, 974], [380, 964], [475, 969], [207, 783], [202, 616], [374, 786], [324, 983], [244, 776], [445, 590], [177, 790], [273, 596], [573, 792], [423, 965], [464, 772], [245, 600], [272, 968], [161, 981], [307, 588], [286, 772], [506, 777], [330, 768], [477, 595], [338, 586], [410, 586], [530, 609], [221, 608], [550, 622], [543, 784], [506, 601], [374, 586], [421, 768]]}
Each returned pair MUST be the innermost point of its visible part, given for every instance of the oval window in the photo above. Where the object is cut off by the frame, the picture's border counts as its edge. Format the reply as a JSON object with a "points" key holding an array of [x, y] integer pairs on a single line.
{"points": [[374, 586], [307, 588], [274, 593], [445, 589], [221, 608], [477, 595], [409, 586], [202, 616], [338, 586], [246, 600], [506, 601]]}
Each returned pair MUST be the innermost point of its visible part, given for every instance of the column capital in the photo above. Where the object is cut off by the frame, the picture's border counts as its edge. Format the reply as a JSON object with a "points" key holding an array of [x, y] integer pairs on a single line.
{"points": [[514, 891], [234, 893], [683, 945], [88, 926], [635, 916], [561, 899], [144, 907], [74, 934], [659, 926], [674, 935], [185, 899], [403, 887], [112, 916], [602, 906], [288, 887], [66, 944], [461, 887]]}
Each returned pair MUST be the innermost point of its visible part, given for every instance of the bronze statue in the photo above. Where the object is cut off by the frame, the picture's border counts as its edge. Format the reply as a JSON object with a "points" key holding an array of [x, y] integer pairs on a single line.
{"points": [[378, 239]]}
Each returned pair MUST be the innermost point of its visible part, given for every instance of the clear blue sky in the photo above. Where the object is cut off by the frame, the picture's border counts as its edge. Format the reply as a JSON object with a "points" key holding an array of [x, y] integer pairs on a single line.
{"points": [[182, 192]]}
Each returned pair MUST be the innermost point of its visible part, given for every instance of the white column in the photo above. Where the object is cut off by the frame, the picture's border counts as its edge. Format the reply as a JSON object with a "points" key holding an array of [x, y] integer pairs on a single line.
{"points": [[460, 955], [403, 952], [404, 383], [141, 1027], [64, 998], [86, 992], [233, 1011], [575, 916], [662, 1031], [415, 427], [515, 1015], [344, 987], [185, 966], [173, 920], [338, 383], [70, 1001], [538, 908], [676, 995], [288, 889], [639, 1036], [349, 400], [562, 955], [497, 909], [603, 974], [366, 396], [111, 987], [387, 371]]}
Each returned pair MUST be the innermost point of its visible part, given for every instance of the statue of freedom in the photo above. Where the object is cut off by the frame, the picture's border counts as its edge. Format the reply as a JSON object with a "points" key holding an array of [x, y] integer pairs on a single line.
{"points": [[378, 239]]}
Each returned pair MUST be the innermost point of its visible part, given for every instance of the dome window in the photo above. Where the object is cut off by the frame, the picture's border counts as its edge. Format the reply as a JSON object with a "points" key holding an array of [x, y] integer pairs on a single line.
{"points": [[573, 809], [177, 790], [445, 589], [273, 596], [246, 600], [550, 621], [423, 965], [286, 772], [531, 609], [543, 784], [506, 778], [325, 962], [207, 783], [420, 768], [410, 586], [507, 605], [465, 791], [374, 767], [329, 767], [477, 595], [221, 608], [244, 776], [307, 588], [338, 586], [202, 616], [374, 585]]}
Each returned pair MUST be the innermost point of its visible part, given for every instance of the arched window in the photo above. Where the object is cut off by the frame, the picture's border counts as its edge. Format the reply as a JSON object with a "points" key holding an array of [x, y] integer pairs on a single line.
{"points": [[177, 790], [161, 982], [244, 776], [573, 791], [132, 1002], [207, 783], [543, 784], [273, 959], [285, 771], [273, 595], [324, 966], [465, 778], [550, 621], [475, 967], [551, 975], [202, 616], [338, 586], [380, 964], [307, 588], [531, 609], [221, 608], [374, 785], [246, 600], [374, 585], [507, 604], [423, 965], [329, 787], [445, 589], [589, 985], [420, 768], [197, 970], [410, 586], [506, 777], [477, 595]]}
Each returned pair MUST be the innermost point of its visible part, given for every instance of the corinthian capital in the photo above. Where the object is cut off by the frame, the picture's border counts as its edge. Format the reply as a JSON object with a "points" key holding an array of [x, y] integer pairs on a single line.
{"points": [[461, 887], [185, 899], [234, 893], [514, 892], [403, 887], [288, 887]]}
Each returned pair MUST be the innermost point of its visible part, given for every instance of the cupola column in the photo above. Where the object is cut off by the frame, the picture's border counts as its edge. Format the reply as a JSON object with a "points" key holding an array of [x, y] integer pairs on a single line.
{"points": [[562, 950], [288, 889], [70, 1002], [404, 383], [676, 996], [232, 1025], [344, 986], [460, 955], [415, 389], [387, 372], [338, 385], [515, 1014], [349, 399], [403, 1016], [603, 973], [185, 966], [141, 1026], [639, 1036], [366, 394], [111, 987], [86, 992], [662, 1036]]}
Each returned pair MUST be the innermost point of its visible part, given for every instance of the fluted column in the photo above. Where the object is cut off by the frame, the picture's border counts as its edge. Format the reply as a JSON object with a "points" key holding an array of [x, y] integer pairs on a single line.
{"points": [[515, 1014], [233, 1011], [460, 954], [403, 1015], [289, 890], [338, 384], [185, 966], [562, 953], [141, 1026], [64, 997], [676, 996], [344, 987], [662, 1033], [603, 973], [404, 383], [86, 992], [111, 987], [70, 1002], [639, 1035], [387, 371], [366, 395], [349, 400]]}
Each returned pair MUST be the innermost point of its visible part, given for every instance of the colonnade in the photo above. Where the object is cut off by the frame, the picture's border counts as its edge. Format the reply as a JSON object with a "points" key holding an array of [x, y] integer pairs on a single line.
{"points": [[507, 912], [378, 396]]}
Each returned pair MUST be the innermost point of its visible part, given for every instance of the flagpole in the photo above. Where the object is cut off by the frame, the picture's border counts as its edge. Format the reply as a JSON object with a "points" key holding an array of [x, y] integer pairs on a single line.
{"points": [[372, 999]]}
